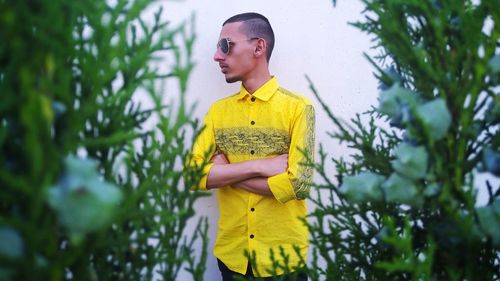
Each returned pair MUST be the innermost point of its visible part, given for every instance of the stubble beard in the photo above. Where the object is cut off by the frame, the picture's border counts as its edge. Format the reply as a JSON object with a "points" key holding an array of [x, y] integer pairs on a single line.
{"points": [[233, 79]]}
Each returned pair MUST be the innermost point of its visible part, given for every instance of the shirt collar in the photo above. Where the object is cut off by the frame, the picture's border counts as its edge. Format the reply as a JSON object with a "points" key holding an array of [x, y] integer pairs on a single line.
{"points": [[264, 93]]}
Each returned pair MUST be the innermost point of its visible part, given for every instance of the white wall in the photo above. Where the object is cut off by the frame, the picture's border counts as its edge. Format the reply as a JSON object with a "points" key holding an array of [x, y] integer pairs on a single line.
{"points": [[312, 37]]}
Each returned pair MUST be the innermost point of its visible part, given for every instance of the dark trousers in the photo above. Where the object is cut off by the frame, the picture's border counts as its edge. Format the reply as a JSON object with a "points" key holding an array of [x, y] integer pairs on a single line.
{"points": [[228, 275]]}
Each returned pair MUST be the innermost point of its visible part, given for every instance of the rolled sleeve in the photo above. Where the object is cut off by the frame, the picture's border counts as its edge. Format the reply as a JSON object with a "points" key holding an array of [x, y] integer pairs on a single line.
{"points": [[281, 187], [202, 183], [296, 182]]}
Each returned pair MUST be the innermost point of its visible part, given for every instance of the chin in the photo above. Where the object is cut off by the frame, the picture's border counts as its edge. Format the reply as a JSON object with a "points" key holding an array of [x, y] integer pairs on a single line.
{"points": [[232, 79]]}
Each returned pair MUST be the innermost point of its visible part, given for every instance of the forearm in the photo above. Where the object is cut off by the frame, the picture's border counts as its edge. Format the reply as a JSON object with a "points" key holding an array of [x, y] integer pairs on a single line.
{"points": [[229, 174], [257, 185]]}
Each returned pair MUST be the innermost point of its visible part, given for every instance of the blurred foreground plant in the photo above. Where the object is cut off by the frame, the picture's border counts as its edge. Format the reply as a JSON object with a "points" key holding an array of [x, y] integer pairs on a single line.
{"points": [[91, 157], [404, 205]]}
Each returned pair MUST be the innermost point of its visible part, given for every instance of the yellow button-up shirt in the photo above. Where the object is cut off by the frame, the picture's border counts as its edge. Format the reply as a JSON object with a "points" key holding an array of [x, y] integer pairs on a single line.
{"points": [[243, 126]]}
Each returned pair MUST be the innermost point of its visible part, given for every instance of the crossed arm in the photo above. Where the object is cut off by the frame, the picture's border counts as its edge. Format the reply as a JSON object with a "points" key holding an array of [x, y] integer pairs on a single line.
{"points": [[282, 177], [249, 175]]}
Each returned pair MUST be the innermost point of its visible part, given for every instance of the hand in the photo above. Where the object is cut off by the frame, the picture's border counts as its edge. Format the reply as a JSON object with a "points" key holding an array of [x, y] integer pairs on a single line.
{"points": [[219, 158], [273, 166]]}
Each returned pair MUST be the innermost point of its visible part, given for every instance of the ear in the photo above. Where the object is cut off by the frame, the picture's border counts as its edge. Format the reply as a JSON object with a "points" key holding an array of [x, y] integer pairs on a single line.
{"points": [[260, 48]]}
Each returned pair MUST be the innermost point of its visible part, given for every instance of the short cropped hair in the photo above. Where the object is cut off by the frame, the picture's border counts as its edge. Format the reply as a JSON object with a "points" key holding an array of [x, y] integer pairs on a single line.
{"points": [[255, 25]]}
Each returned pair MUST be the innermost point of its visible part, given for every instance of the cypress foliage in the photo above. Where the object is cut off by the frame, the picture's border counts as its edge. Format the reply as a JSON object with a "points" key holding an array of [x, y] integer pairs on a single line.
{"points": [[91, 156], [404, 205]]}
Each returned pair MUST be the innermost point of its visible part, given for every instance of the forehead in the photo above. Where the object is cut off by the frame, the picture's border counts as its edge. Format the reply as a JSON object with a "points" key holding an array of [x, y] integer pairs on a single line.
{"points": [[232, 30]]}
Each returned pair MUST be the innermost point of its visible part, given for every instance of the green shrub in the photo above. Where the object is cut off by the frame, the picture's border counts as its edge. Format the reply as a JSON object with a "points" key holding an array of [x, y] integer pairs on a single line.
{"points": [[404, 205], [91, 156]]}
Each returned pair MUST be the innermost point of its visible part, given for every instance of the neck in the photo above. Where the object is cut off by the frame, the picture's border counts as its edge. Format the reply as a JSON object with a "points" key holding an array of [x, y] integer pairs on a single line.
{"points": [[256, 80]]}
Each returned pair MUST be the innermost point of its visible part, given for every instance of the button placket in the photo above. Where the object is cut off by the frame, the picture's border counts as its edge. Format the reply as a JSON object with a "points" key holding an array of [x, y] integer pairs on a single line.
{"points": [[251, 119], [251, 220]]}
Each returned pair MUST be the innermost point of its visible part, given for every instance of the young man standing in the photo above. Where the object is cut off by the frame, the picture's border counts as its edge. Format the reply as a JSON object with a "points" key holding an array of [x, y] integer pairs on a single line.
{"points": [[257, 140]]}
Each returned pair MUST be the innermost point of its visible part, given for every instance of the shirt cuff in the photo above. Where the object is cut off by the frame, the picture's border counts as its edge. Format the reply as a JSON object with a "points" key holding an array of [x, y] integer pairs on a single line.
{"points": [[281, 187]]}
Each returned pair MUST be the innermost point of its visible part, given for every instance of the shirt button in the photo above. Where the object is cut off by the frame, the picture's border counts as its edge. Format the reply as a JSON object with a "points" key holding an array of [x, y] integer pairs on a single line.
{"points": [[251, 236], [253, 209], [252, 152], [253, 122], [253, 99]]}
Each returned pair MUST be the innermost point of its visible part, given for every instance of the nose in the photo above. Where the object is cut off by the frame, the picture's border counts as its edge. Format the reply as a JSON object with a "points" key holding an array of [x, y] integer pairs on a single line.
{"points": [[219, 55]]}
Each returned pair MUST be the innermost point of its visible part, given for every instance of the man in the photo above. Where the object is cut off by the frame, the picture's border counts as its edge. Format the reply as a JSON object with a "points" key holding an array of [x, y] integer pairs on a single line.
{"points": [[257, 141]]}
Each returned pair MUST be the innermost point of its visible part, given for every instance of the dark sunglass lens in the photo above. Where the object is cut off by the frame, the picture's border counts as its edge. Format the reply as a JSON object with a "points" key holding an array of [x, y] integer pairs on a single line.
{"points": [[224, 45]]}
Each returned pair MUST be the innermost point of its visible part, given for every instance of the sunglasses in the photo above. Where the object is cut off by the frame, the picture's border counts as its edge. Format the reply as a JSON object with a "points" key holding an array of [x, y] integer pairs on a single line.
{"points": [[225, 44]]}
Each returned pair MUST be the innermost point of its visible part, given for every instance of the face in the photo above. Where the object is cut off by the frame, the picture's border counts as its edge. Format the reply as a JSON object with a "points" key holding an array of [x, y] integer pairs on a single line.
{"points": [[238, 64]]}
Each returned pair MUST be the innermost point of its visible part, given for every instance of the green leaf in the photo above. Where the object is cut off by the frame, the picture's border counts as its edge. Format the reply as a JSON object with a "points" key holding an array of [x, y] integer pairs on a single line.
{"points": [[494, 64], [435, 117], [398, 189], [83, 201], [11, 243], [489, 219], [362, 187], [394, 99], [432, 189], [411, 161]]}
